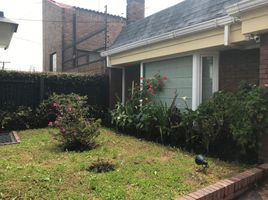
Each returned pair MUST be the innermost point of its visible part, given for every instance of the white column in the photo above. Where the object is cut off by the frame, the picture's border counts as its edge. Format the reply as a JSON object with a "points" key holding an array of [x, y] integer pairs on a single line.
{"points": [[123, 85], [196, 82]]}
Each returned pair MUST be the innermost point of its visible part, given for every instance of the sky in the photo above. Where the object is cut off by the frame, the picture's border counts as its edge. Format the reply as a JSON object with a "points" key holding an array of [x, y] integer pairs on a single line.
{"points": [[25, 50]]}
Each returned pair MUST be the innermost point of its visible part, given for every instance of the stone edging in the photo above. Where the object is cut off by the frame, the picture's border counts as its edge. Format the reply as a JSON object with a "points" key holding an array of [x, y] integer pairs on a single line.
{"points": [[231, 188]]}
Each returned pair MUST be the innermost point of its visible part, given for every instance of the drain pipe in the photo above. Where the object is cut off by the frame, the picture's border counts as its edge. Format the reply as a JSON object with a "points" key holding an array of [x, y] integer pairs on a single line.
{"points": [[227, 35]]}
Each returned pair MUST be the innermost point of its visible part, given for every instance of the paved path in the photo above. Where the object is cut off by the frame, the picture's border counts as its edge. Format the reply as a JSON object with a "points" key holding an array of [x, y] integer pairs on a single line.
{"points": [[260, 193]]}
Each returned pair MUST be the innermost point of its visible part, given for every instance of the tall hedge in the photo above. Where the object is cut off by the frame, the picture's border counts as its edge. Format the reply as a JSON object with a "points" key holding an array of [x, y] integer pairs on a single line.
{"points": [[29, 89]]}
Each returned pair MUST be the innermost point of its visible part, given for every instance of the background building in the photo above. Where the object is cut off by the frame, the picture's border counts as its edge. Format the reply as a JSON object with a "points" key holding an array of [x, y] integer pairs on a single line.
{"points": [[73, 38]]}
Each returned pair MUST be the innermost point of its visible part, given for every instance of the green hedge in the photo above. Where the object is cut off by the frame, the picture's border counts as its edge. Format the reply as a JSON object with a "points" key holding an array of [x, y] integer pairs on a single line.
{"points": [[30, 89]]}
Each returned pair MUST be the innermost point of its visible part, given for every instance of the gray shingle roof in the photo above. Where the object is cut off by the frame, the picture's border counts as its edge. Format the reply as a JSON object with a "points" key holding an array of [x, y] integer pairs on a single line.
{"points": [[186, 13]]}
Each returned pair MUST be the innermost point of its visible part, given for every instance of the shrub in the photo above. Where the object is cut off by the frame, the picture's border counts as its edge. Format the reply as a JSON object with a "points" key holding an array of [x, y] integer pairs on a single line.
{"points": [[229, 125], [141, 115], [18, 119], [101, 166], [75, 131]]}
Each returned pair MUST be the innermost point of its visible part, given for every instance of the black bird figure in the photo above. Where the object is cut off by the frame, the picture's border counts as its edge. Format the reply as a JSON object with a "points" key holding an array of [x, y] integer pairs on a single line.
{"points": [[200, 160]]}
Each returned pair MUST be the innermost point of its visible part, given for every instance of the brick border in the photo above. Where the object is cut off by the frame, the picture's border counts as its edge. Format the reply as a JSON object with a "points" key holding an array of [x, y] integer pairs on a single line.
{"points": [[231, 188]]}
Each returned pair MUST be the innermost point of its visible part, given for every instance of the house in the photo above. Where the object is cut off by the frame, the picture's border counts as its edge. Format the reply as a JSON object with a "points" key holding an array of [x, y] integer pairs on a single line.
{"points": [[202, 46], [73, 38], [7, 28]]}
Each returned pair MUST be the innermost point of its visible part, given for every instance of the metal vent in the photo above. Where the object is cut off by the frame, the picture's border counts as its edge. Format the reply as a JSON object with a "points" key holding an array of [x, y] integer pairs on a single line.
{"points": [[9, 138]]}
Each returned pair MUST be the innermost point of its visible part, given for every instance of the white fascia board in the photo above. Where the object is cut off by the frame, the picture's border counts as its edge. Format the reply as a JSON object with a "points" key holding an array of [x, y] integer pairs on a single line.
{"points": [[244, 6], [208, 25]]}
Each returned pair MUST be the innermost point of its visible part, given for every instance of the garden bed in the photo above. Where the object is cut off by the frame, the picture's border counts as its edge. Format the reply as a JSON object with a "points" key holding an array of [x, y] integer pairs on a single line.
{"points": [[39, 169]]}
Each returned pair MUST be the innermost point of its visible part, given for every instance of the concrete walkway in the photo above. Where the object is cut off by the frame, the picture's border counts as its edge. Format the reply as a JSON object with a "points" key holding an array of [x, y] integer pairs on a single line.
{"points": [[260, 193]]}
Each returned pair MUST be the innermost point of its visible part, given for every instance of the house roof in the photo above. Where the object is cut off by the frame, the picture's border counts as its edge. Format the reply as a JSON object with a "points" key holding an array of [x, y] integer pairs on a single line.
{"points": [[182, 15]]}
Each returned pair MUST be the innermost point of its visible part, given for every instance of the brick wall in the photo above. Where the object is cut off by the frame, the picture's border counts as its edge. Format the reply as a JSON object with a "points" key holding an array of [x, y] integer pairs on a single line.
{"points": [[264, 61], [238, 65], [59, 36], [52, 29], [135, 10]]}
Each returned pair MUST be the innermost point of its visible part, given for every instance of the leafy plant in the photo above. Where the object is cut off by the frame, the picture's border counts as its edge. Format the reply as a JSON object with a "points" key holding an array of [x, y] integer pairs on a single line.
{"points": [[101, 166], [142, 115], [75, 131], [228, 123], [20, 118]]}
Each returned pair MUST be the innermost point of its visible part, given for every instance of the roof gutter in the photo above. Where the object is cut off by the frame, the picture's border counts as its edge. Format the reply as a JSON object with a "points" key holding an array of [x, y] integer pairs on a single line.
{"points": [[211, 24], [244, 6]]}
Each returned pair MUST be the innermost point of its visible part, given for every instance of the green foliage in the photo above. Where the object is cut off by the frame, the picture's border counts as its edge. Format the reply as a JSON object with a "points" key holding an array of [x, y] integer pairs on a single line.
{"points": [[21, 118], [75, 131], [230, 124], [36, 169], [143, 116], [27, 89], [101, 166]]}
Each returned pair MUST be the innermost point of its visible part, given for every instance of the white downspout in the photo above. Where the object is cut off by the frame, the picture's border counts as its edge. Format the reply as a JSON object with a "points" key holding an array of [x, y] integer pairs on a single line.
{"points": [[227, 35], [196, 82]]}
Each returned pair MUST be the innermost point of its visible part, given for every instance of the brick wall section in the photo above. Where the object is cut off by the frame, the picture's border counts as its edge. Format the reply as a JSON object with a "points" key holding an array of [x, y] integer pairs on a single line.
{"points": [[135, 10], [236, 66], [58, 36], [264, 61], [231, 188], [52, 28]]}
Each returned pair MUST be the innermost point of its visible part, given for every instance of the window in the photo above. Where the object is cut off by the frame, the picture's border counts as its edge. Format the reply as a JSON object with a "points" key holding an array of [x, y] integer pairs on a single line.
{"points": [[179, 73], [53, 62], [205, 77]]}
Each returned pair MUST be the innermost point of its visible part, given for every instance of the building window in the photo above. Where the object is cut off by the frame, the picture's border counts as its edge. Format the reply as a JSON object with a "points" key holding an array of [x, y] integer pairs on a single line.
{"points": [[205, 77], [179, 73], [53, 62]]}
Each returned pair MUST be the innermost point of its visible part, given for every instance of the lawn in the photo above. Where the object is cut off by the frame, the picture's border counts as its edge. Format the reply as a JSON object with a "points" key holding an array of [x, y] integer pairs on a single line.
{"points": [[38, 169]]}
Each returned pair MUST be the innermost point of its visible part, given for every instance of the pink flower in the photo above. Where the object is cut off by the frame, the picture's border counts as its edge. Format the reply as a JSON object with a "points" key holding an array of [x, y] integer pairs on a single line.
{"points": [[69, 109], [78, 98], [56, 122], [165, 78], [141, 78], [56, 105], [50, 124], [62, 130], [151, 91]]}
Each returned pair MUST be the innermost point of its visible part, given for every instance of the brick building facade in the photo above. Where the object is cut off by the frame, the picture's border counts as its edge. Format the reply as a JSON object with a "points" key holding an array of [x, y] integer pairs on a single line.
{"points": [[74, 37]]}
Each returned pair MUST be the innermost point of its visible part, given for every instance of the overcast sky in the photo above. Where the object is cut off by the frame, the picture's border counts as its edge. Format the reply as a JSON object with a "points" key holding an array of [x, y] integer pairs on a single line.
{"points": [[25, 50]]}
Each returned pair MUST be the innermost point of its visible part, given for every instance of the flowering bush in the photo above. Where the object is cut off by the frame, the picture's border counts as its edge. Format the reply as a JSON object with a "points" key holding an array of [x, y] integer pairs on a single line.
{"points": [[141, 115], [75, 131]]}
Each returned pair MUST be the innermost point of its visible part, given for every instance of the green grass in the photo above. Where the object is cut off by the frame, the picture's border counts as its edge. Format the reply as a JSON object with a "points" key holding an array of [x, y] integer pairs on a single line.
{"points": [[38, 169]]}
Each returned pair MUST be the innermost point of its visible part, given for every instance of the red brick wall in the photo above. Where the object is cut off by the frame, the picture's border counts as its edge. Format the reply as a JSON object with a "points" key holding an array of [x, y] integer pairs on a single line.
{"points": [[236, 66], [60, 35], [135, 10], [264, 61], [52, 29]]}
